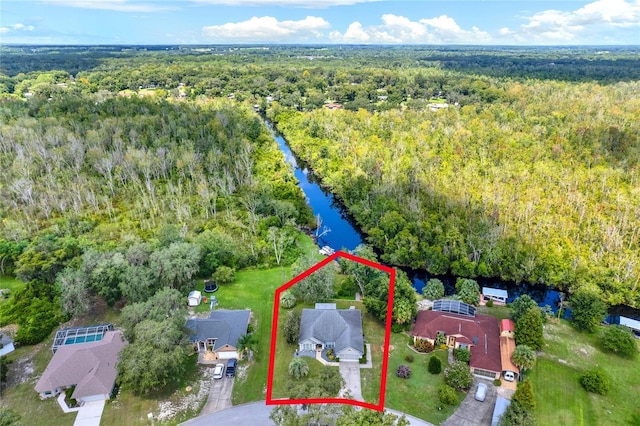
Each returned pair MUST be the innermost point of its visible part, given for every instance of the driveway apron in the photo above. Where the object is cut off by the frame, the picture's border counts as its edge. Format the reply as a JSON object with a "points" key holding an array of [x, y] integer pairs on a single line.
{"points": [[350, 371], [219, 395]]}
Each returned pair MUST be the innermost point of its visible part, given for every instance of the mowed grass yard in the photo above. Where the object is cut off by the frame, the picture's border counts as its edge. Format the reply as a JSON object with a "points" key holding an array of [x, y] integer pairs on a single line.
{"points": [[418, 395], [370, 377], [254, 289], [561, 400], [10, 283]]}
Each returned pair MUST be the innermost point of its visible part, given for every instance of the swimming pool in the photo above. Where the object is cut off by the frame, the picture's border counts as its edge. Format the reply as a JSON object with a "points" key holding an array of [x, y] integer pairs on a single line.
{"points": [[83, 339]]}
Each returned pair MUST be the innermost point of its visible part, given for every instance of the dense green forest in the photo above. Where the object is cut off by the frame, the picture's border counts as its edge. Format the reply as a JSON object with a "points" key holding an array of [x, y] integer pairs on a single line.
{"points": [[120, 197], [120, 162], [541, 186]]}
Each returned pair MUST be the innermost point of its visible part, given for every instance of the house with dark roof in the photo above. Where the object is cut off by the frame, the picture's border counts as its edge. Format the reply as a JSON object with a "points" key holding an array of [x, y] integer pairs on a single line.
{"points": [[479, 333], [219, 333], [89, 366], [326, 327]]}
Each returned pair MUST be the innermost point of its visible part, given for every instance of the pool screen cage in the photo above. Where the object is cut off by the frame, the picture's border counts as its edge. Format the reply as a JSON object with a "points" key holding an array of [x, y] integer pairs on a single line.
{"points": [[455, 307], [74, 335]]}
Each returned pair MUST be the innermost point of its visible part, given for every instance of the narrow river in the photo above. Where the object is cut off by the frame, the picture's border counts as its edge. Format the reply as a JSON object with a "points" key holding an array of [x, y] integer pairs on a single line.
{"points": [[342, 234]]}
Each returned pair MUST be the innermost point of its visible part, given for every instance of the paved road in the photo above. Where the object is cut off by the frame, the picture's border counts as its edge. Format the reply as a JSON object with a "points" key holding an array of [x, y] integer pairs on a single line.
{"points": [[472, 412], [350, 371], [257, 413], [219, 396]]}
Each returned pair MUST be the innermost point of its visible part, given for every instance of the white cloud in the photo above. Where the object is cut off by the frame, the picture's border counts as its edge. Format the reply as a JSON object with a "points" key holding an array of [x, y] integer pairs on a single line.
{"points": [[16, 28], [354, 34], [557, 27], [401, 30], [266, 29], [115, 5], [309, 4]]}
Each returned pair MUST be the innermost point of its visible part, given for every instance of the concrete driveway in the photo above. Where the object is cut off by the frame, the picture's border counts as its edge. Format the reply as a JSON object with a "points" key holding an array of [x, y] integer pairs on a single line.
{"points": [[90, 414], [350, 371], [219, 395], [472, 412]]}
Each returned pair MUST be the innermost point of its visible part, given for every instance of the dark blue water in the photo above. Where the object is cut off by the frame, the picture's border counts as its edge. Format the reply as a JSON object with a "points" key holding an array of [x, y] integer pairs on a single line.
{"points": [[341, 235]]}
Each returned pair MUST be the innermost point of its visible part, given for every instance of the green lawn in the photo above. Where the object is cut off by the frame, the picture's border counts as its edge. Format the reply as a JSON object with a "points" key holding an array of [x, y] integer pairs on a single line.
{"points": [[418, 395], [254, 289], [498, 311], [559, 397], [370, 378], [10, 283]]}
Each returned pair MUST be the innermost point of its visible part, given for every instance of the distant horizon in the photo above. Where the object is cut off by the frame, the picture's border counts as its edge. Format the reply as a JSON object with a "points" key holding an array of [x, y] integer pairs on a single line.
{"points": [[483, 46], [321, 22]]}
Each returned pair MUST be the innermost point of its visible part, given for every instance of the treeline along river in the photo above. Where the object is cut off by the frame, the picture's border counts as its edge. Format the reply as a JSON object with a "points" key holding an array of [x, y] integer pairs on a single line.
{"points": [[344, 234]]}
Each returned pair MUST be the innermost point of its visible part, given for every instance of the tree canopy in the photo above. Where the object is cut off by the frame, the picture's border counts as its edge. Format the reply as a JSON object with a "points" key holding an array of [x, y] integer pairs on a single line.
{"points": [[529, 330], [587, 310]]}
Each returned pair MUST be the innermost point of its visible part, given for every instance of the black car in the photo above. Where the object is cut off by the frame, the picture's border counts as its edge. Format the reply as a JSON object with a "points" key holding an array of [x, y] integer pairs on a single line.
{"points": [[231, 367], [210, 286]]}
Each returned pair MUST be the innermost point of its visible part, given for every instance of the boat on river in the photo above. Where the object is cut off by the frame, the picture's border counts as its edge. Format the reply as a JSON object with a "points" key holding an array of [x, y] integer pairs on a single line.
{"points": [[326, 250]]}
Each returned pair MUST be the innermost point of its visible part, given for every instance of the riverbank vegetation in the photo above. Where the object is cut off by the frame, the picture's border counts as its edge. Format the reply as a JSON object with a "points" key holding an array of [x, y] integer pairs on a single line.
{"points": [[537, 186]]}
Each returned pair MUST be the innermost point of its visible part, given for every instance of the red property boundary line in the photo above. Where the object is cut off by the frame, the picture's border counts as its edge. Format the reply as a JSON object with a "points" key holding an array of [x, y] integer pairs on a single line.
{"points": [[387, 334]]}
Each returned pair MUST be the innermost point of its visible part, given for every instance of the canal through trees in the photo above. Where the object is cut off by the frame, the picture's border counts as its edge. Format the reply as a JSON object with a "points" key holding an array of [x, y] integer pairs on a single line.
{"points": [[343, 234]]}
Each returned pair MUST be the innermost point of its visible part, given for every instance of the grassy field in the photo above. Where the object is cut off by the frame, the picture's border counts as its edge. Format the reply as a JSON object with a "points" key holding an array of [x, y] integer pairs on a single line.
{"points": [[498, 311], [10, 283], [559, 397], [418, 395]]}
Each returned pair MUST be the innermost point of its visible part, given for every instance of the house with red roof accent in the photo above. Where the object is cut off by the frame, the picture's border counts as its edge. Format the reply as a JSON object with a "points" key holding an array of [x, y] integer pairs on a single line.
{"points": [[507, 328], [480, 334], [507, 347]]}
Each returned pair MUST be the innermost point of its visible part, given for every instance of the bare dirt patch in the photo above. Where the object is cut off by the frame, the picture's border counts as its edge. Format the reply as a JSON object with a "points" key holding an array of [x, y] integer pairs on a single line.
{"points": [[189, 401], [21, 370]]}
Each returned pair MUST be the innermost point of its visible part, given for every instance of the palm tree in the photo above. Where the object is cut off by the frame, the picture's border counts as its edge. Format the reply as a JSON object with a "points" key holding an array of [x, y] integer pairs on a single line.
{"points": [[298, 368], [524, 357], [246, 343]]}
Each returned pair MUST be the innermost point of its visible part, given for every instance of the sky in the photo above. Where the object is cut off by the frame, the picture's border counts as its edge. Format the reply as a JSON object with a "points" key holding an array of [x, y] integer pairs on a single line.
{"points": [[476, 22]]}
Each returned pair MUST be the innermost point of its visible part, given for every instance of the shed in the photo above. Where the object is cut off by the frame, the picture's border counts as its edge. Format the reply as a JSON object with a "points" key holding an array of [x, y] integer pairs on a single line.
{"points": [[6, 344], [495, 294], [507, 328], [195, 297], [634, 325]]}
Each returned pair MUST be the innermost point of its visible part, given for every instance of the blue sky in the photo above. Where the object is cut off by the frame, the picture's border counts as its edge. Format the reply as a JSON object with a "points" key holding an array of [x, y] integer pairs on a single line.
{"points": [[513, 22]]}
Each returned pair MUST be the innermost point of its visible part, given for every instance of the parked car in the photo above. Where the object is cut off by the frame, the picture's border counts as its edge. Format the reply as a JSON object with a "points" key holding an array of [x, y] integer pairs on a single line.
{"points": [[509, 376], [481, 392], [231, 367], [218, 371]]}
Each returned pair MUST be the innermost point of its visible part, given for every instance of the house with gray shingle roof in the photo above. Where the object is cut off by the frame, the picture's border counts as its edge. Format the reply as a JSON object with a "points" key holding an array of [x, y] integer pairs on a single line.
{"points": [[326, 327], [220, 332], [90, 367]]}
